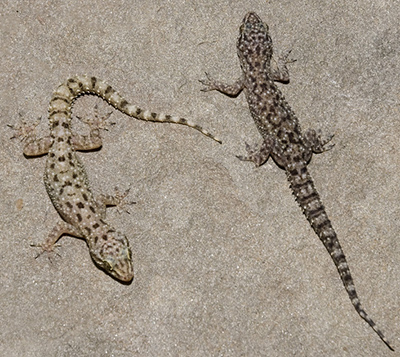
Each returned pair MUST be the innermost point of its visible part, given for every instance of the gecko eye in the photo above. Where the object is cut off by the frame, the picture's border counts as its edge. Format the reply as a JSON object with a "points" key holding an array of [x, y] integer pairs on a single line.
{"points": [[108, 266]]}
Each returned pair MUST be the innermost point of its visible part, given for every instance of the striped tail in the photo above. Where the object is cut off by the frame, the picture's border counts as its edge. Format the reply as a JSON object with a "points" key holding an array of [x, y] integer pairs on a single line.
{"points": [[307, 196], [80, 85]]}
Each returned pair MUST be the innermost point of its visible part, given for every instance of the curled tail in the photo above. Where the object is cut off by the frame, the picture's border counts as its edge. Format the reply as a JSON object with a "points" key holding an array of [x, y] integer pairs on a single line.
{"points": [[66, 93], [307, 196]]}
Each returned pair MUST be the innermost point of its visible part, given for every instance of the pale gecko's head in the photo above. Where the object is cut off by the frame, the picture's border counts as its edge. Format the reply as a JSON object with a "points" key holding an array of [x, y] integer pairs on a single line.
{"points": [[112, 253], [254, 43]]}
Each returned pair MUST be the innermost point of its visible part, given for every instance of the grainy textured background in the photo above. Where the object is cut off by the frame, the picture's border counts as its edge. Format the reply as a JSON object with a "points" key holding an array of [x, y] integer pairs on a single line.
{"points": [[225, 262]]}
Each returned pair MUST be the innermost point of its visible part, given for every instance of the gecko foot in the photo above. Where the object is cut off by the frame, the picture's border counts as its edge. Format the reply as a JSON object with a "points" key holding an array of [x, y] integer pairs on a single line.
{"points": [[314, 140], [121, 202], [24, 131], [48, 250], [99, 121], [209, 83], [118, 200]]}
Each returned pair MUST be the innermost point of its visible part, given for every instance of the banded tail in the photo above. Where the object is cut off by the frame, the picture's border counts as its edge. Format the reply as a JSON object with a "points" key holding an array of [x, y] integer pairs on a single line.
{"points": [[307, 196], [69, 91]]}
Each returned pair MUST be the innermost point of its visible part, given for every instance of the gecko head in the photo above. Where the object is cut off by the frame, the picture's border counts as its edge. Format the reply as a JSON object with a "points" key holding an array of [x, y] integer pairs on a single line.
{"points": [[254, 43], [112, 253]]}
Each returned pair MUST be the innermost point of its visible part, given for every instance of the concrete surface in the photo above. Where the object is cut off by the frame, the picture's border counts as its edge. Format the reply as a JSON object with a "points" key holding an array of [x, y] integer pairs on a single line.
{"points": [[225, 262]]}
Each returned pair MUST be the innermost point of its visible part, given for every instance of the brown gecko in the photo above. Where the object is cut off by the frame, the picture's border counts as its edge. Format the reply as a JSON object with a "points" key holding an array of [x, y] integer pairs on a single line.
{"points": [[66, 181], [283, 139]]}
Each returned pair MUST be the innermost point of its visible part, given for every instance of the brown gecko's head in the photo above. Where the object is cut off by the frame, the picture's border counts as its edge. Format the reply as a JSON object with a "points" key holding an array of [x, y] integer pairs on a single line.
{"points": [[254, 44], [111, 252]]}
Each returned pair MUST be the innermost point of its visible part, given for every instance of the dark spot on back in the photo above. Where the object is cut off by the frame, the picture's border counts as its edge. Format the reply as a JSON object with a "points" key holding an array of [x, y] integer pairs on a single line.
{"points": [[291, 137], [293, 172], [80, 205], [55, 123], [123, 104]]}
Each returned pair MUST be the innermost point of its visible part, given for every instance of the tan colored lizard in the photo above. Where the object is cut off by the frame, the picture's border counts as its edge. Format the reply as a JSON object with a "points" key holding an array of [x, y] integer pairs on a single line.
{"points": [[66, 181]]}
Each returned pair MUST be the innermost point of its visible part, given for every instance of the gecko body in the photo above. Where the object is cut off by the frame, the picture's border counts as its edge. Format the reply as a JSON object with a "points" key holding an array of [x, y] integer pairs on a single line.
{"points": [[66, 181], [283, 139]]}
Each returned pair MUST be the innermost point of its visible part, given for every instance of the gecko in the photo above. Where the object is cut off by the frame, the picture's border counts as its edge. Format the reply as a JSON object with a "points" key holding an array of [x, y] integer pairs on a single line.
{"points": [[66, 180], [283, 140]]}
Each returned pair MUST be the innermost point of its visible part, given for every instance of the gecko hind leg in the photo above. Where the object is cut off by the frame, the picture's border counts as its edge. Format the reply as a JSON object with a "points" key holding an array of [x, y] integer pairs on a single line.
{"points": [[316, 143]]}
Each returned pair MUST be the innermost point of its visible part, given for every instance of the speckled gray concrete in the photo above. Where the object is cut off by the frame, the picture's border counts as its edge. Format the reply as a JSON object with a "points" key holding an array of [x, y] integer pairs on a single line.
{"points": [[225, 262]]}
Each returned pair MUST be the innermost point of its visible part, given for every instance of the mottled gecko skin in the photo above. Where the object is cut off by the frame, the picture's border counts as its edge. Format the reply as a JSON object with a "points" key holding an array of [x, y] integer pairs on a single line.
{"points": [[67, 183], [283, 140]]}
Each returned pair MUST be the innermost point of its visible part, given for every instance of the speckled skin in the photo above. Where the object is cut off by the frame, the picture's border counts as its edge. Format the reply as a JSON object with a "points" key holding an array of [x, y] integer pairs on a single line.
{"points": [[283, 139], [66, 181]]}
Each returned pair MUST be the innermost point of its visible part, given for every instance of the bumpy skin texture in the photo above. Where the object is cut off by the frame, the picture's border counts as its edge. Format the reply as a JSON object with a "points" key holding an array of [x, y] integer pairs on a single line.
{"points": [[283, 139], [66, 180]]}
